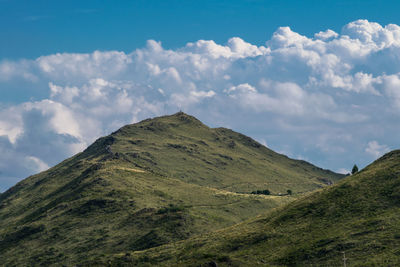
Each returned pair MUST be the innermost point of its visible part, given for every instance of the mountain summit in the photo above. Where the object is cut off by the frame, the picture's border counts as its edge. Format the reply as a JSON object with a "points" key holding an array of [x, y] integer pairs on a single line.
{"points": [[147, 184], [182, 147]]}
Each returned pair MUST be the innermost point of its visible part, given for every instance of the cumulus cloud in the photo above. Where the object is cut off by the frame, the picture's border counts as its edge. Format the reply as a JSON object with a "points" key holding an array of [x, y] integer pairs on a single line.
{"points": [[326, 35], [343, 171], [375, 149], [323, 97], [391, 87]]}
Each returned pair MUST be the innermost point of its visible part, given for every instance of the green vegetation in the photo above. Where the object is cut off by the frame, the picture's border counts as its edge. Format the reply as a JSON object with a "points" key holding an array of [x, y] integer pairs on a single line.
{"points": [[148, 184], [360, 216], [354, 170], [261, 192]]}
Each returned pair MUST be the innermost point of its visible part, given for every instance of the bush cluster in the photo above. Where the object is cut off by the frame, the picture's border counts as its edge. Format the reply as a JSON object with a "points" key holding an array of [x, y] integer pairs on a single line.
{"points": [[261, 192]]}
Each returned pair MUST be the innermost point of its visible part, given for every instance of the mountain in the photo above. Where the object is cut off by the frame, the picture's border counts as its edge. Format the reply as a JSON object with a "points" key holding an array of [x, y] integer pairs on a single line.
{"points": [[151, 183], [358, 218]]}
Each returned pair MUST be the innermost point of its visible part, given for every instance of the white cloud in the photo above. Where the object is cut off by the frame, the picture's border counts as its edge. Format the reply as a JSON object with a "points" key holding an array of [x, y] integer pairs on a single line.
{"points": [[38, 165], [391, 87], [323, 97], [21, 69], [343, 171], [375, 149], [202, 94], [11, 125], [284, 37], [236, 48], [243, 88], [326, 35], [373, 34], [67, 66]]}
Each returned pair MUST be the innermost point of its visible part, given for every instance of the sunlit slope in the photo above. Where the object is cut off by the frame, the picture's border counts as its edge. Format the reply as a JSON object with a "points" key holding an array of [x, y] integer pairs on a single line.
{"points": [[359, 216], [148, 184], [180, 146]]}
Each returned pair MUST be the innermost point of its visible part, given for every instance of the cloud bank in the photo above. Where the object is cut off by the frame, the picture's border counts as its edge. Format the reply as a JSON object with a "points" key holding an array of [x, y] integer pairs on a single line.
{"points": [[333, 98]]}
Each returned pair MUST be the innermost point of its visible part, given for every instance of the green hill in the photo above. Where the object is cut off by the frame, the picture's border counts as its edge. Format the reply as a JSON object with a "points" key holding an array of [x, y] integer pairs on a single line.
{"points": [[359, 216], [147, 184]]}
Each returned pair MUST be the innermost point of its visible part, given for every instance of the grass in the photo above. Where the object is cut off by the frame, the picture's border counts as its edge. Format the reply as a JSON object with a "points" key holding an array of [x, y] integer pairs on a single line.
{"points": [[359, 216], [148, 184]]}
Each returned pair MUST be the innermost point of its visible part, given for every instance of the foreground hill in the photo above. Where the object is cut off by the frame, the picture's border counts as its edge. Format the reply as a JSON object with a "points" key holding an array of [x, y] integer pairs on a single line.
{"points": [[147, 184], [359, 216]]}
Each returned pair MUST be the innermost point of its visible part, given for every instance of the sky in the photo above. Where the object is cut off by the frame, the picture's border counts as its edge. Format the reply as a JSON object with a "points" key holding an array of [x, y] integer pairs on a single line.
{"points": [[315, 80]]}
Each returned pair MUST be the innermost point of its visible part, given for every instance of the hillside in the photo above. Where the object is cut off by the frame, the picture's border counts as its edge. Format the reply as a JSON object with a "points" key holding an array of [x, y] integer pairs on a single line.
{"points": [[359, 216], [147, 184]]}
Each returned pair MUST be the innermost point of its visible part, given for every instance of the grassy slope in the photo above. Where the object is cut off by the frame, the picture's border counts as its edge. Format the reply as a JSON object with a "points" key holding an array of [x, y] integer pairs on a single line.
{"points": [[359, 216], [180, 146], [147, 184]]}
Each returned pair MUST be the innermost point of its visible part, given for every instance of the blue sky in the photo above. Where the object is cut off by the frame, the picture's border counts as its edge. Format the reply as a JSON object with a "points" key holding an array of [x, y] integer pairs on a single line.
{"points": [[30, 29], [315, 80]]}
